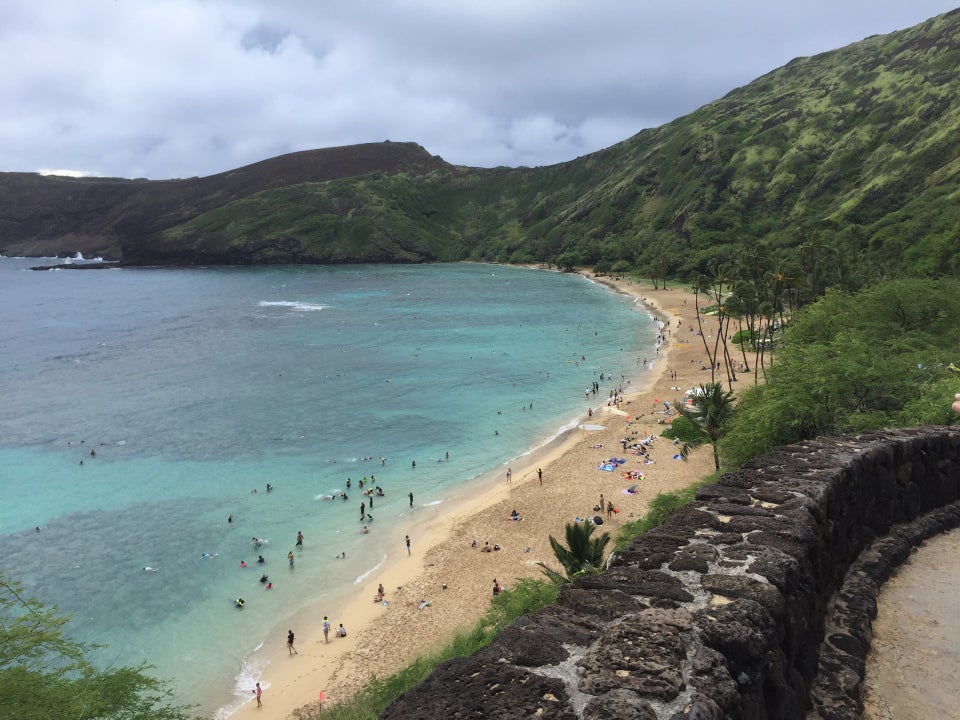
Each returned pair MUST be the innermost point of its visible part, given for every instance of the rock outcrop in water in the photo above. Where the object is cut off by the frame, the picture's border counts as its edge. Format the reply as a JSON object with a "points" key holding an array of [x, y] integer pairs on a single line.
{"points": [[752, 602]]}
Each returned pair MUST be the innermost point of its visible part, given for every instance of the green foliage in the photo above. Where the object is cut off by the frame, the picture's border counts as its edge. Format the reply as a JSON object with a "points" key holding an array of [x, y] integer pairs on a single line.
{"points": [[844, 163], [525, 597], [582, 553], [710, 411], [45, 676], [854, 362], [684, 430], [744, 336]]}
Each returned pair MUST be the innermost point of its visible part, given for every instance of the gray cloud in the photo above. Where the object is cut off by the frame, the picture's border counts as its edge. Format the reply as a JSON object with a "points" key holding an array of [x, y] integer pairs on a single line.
{"points": [[194, 87]]}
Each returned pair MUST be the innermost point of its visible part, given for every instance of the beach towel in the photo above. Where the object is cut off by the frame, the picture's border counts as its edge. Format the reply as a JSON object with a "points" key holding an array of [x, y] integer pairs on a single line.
{"points": [[605, 468]]}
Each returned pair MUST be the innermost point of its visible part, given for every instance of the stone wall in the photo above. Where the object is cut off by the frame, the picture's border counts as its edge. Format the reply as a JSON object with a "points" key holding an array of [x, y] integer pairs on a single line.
{"points": [[752, 602]]}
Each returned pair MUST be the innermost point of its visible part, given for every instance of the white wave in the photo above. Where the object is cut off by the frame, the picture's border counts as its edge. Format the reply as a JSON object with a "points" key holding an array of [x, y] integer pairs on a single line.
{"points": [[361, 578], [293, 305], [435, 502], [251, 672], [550, 438]]}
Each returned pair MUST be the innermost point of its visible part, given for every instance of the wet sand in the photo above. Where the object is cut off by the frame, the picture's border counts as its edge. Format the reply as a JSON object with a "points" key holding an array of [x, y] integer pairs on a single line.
{"points": [[914, 659], [383, 638]]}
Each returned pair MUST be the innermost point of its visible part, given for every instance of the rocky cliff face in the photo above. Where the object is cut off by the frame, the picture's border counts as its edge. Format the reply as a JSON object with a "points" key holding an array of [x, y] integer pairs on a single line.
{"points": [[125, 219], [721, 612]]}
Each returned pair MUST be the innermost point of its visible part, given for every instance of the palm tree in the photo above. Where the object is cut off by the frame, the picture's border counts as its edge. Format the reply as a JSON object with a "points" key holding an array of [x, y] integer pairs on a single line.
{"points": [[710, 409], [582, 553]]}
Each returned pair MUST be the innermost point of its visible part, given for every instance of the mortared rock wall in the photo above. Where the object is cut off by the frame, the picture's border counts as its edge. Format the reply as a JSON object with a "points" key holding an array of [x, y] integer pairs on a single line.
{"points": [[752, 602]]}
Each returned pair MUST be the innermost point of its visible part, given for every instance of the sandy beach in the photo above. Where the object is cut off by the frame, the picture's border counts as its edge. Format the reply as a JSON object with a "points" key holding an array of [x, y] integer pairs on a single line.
{"points": [[383, 638]]}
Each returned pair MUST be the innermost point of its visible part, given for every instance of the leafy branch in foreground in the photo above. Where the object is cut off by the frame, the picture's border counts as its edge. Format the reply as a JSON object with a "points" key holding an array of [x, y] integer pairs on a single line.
{"points": [[46, 676]]}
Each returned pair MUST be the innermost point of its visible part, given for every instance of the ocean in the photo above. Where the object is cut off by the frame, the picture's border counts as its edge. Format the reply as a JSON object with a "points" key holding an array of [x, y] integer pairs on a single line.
{"points": [[143, 407]]}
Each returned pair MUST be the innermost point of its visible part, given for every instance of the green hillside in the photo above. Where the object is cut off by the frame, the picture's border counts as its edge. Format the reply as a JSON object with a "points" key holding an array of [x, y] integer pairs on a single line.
{"points": [[854, 151]]}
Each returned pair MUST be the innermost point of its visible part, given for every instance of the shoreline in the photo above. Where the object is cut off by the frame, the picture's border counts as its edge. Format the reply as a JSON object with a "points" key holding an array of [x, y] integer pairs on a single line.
{"points": [[384, 638]]}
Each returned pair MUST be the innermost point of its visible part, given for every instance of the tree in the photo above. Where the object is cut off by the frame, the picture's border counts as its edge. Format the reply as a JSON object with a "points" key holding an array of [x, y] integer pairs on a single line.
{"points": [[46, 676], [710, 410], [569, 260], [855, 362], [583, 553]]}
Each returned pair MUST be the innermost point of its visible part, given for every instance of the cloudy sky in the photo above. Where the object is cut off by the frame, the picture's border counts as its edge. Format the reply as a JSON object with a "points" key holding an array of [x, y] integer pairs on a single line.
{"points": [[177, 88]]}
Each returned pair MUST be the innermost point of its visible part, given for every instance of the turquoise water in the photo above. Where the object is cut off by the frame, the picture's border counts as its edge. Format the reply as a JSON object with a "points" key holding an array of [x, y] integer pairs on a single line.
{"points": [[141, 408]]}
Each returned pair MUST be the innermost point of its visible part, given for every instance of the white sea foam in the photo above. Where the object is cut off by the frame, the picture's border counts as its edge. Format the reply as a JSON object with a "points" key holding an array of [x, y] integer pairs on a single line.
{"points": [[250, 673], [293, 305], [364, 576], [433, 502], [567, 427]]}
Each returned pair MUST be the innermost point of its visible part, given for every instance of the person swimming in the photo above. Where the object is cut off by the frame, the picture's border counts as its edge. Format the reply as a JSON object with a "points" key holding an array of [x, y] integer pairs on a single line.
{"points": [[238, 603]]}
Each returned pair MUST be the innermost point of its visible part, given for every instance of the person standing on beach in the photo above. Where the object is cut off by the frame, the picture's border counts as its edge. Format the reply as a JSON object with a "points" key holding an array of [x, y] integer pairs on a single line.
{"points": [[411, 499], [291, 650], [509, 475], [407, 539], [258, 692], [326, 629], [363, 510], [540, 475]]}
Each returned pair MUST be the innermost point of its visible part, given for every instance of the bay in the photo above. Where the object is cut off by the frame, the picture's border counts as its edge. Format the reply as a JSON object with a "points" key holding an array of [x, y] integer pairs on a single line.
{"points": [[143, 407]]}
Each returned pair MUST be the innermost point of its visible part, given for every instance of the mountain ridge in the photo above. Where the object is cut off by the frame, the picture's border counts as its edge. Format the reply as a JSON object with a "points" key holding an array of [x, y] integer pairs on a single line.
{"points": [[855, 149]]}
